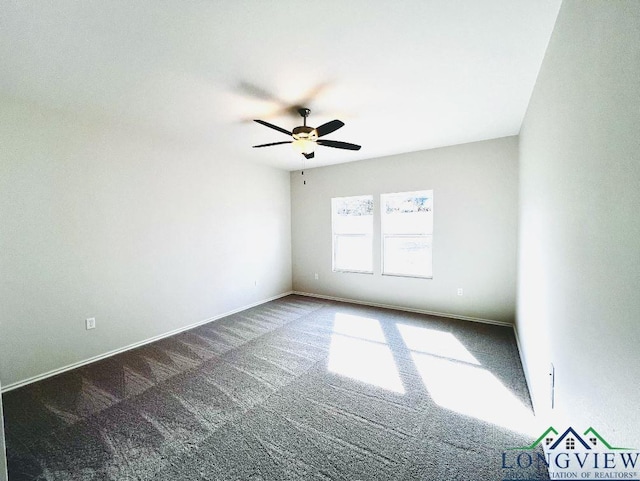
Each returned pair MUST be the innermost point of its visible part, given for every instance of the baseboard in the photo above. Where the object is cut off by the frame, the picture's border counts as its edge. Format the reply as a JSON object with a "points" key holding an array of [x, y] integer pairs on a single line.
{"points": [[75, 365], [4, 476], [407, 309]]}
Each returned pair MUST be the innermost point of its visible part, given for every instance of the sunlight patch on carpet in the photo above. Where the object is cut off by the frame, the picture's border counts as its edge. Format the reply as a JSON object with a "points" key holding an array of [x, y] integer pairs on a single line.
{"points": [[437, 343], [359, 351], [456, 380]]}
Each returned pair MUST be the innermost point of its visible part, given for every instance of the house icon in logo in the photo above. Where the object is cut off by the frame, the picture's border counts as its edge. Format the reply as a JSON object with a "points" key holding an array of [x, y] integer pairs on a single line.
{"points": [[596, 440], [569, 440]]}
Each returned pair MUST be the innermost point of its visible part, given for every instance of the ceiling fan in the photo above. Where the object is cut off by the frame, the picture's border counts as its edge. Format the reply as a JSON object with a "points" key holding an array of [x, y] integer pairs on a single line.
{"points": [[306, 138]]}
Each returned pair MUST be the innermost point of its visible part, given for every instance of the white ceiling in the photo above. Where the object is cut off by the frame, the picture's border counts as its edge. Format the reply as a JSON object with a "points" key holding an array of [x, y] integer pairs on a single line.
{"points": [[403, 76]]}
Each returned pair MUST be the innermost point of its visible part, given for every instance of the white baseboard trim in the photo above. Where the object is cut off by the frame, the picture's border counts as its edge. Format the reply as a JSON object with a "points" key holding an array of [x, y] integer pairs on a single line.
{"points": [[407, 309], [75, 365], [4, 476]]}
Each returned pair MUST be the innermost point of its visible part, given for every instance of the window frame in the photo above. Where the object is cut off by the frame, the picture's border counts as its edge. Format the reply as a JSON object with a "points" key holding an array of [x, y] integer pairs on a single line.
{"points": [[408, 234], [334, 235]]}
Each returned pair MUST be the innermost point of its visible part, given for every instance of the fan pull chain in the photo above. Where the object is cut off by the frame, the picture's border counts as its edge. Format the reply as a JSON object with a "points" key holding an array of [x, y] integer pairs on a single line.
{"points": [[304, 164]]}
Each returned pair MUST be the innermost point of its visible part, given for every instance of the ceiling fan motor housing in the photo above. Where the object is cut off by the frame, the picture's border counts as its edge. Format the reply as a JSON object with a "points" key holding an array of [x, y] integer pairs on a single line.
{"points": [[305, 133]]}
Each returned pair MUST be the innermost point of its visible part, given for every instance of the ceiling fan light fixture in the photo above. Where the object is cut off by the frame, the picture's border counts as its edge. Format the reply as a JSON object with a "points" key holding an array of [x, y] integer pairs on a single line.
{"points": [[304, 146]]}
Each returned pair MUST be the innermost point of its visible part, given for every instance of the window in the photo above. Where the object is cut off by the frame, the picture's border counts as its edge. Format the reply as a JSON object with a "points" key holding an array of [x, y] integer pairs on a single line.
{"points": [[570, 443], [352, 225], [407, 232]]}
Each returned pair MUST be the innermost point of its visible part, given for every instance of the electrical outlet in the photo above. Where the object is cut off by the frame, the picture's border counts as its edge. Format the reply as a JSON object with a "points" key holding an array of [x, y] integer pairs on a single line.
{"points": [[91, 323], [460, 291], [316, 276]]}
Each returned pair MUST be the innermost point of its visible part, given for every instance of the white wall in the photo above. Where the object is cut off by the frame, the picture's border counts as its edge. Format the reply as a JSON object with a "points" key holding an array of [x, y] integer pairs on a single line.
{"points": [[145, 234], [579, 255], [475, 228]]}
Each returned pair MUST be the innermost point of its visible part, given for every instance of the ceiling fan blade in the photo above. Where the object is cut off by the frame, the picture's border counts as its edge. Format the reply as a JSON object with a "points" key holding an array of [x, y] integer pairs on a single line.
{"points": [[259, 93], [308, 156], [274, 127], [329, 127], [273, 143], [338, 145]]}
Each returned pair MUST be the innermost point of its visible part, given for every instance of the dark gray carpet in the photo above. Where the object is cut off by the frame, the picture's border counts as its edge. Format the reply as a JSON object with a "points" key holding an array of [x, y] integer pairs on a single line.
{"points": [[294, 389]]}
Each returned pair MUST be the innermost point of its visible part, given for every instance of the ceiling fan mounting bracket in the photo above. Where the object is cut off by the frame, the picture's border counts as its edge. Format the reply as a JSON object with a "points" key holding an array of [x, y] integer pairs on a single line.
{"points": [[304, 112]]}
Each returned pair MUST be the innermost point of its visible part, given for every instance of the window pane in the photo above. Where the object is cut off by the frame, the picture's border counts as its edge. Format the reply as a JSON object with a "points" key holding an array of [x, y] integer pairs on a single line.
{"points": [[352, 225], [407, 228], [408, 213], [407, 256], [353, 215], [353, 253], [344, 224]]}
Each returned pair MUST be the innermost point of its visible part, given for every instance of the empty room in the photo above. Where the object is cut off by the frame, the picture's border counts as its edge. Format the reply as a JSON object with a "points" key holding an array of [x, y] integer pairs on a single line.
{"points": [[260, 240]]}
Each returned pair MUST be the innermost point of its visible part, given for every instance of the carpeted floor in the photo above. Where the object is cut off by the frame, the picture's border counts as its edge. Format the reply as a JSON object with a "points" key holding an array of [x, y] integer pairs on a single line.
{"points": [[294, 389]]}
